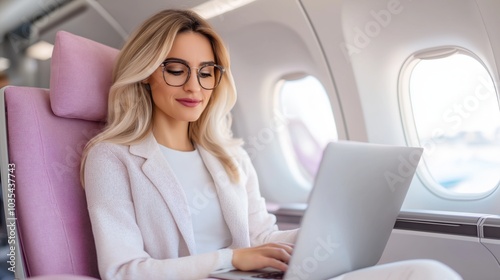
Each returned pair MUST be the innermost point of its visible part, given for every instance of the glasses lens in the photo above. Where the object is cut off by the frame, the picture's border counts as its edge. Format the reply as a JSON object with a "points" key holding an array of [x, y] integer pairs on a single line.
{"points": [[175, 74], [209, 76]]}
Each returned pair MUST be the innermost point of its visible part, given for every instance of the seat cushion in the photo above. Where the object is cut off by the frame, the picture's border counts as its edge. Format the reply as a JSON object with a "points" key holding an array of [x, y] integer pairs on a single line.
{"points": [[51, 209]]}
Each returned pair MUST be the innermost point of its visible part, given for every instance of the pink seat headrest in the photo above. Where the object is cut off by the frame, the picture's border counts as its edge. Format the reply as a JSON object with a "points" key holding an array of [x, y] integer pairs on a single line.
{"points": [[80, 77]]}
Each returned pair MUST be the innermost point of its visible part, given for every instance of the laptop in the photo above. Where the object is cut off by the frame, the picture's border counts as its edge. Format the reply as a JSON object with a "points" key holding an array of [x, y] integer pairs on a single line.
{"points": [[356, 197]]}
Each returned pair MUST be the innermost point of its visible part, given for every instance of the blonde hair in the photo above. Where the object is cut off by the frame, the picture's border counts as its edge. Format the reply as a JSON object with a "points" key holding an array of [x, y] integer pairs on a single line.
{"points": [[130, 107]]}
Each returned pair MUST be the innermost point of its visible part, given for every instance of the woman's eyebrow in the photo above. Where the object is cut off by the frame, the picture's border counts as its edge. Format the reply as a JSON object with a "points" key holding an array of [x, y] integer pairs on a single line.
{"points": [[207, 62], [175, 59]]}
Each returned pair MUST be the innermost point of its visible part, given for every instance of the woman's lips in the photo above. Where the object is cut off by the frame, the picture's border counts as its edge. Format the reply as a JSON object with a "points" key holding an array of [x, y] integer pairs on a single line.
{"points": [[188, 102]]}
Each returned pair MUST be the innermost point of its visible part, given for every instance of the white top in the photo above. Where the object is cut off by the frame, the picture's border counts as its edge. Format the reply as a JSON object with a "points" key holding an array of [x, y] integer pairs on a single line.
{"points": [[210, 229]]}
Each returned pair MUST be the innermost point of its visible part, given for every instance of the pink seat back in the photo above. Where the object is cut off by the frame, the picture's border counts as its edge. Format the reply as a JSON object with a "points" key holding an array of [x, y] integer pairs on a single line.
{"points": [[47, 131]]}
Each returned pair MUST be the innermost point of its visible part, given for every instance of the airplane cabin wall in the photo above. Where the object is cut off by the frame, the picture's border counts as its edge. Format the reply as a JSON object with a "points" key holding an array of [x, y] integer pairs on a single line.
{"points": [[489, 11], [376, 48], [371, 72], [269, 40]]}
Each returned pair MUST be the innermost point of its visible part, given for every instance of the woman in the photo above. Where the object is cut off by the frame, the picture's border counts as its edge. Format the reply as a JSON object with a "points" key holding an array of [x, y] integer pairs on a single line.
{"points": [[170, 193]]}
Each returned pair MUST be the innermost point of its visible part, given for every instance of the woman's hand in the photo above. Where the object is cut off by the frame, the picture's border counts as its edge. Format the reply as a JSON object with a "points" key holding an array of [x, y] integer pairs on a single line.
{"points": [[275, 255]]}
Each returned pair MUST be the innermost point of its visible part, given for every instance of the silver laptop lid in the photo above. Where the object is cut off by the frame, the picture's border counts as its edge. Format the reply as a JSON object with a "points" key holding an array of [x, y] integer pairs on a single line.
{"points": [[357, 195]]}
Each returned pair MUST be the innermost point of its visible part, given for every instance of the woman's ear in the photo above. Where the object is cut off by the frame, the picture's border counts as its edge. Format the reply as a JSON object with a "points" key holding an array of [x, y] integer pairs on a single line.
{"points": [[145, 82]]}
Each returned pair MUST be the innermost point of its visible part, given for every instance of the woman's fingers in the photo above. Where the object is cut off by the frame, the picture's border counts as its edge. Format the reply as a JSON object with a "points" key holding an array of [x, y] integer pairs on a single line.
{"points": [[281, 254], [275, 255], [276, 264]]}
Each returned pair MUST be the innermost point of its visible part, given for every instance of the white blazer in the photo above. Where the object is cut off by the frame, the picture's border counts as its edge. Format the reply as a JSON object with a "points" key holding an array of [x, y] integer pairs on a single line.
{"points": [[141, 220]]}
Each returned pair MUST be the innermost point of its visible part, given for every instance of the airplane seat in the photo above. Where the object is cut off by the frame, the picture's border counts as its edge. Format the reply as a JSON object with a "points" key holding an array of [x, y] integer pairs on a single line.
{"points": [[45, 131]]}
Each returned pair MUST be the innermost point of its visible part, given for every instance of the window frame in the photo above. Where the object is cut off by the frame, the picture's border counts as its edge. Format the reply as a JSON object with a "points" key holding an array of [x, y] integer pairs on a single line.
{"points": [[408, 121]]}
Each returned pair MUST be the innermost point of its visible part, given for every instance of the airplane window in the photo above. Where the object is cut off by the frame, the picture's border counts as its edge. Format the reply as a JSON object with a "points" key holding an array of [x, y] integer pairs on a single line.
{"points": [[309, 122], [457, 120]]}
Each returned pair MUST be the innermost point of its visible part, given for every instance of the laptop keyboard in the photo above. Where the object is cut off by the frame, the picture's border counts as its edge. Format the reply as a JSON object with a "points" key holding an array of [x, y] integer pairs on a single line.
{"points": [[270, 275]]}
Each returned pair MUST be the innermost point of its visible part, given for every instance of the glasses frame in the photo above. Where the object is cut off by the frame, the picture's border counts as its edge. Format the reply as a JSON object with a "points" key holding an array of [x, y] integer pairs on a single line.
{"points": [[217, 81]]}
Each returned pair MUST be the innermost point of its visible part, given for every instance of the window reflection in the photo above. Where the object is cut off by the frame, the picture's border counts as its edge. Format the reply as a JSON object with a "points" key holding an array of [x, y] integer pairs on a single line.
{"points": [[310, 124]]}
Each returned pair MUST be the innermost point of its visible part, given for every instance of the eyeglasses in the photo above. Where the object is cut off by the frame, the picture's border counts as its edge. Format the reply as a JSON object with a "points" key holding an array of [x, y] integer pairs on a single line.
{"points": [[176, 73]]}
